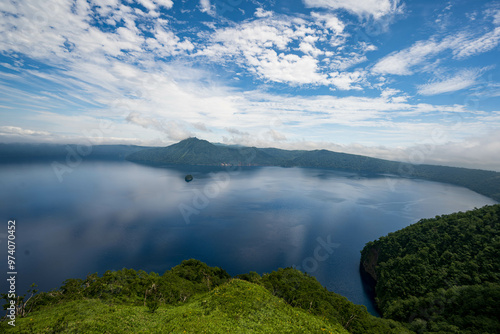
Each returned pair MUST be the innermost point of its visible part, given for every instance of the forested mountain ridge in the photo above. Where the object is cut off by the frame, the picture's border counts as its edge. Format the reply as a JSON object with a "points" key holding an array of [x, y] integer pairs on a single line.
{"points": [[193, 151], [19, 152], [440, 274]]}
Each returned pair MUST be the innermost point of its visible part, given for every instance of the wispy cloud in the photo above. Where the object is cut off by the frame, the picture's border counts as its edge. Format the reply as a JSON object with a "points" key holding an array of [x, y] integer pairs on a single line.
{"points": [[461, 80], [481, 44], [402, 62], [462, 45], [15, 130], [374, 8]]}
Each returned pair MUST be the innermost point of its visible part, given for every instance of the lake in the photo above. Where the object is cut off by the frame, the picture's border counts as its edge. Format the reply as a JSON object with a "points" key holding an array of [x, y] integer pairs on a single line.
{"points": [[111, 215]]}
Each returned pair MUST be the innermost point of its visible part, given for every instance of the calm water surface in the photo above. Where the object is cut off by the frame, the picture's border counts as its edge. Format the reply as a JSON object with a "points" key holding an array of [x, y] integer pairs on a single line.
{"points": [[107, 216]]}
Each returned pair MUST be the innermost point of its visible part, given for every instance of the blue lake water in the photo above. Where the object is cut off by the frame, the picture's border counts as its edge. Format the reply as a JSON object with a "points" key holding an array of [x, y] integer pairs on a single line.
{"points": [[107, 215]]}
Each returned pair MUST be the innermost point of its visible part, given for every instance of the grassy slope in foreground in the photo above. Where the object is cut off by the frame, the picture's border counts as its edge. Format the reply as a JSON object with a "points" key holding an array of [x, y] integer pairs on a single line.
{"points": [[235, 307], [441, 274], [196, 298]]}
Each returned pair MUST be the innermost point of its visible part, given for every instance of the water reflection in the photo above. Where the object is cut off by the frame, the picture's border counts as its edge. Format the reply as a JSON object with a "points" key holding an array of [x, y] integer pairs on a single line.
{"points": [[114, 215]]}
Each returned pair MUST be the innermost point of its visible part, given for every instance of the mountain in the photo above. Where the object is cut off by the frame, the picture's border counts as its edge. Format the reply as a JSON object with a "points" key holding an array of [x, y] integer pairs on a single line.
{"points": [[440, 275], [194, 151]]}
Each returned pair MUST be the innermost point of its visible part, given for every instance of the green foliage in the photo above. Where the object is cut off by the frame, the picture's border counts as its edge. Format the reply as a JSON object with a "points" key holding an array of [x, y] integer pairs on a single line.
{"points": [[23, 304], [250, 277], [196, 298], [199, 272], [152, 298], [441, 274], [303, 291], [234, 307]]}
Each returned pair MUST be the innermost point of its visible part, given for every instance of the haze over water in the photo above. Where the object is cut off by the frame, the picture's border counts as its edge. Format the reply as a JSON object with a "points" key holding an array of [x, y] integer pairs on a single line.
{"points": [[107, 216]]}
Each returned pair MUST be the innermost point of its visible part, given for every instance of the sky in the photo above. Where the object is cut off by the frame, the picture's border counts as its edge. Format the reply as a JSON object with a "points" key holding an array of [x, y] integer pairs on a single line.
{"points": [[413, 81]]}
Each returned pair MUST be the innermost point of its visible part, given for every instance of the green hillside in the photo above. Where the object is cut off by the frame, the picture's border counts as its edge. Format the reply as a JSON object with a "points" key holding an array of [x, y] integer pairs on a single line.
{"points": [[440, 274], [235, 307], [195, 298], [193, 151]]}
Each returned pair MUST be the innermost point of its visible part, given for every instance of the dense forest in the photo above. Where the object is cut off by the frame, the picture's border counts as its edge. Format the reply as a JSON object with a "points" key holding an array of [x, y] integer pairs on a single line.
{"points": [[440, 275], [194, 298]]}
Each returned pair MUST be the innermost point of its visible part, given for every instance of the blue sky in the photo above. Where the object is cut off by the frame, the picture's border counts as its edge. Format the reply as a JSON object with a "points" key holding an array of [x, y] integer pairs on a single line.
{"points": [[415, 81]]}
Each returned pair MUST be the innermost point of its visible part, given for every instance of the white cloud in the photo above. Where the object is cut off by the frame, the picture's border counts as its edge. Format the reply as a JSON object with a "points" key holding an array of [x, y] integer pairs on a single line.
{"points": [[260, 12], [46, 30], [153, 5], [288, 68], [262, 47], [343, 63], [165, 43], [165, 3], [267, 49], [494, 14], [172, 129], [15, 130], [475, 46], [206, 7], [401, 62], [375, 8], [462, 45], [472, 152], [347, 80], [148, 4], [461, 80], [329, 21], [307, 46]]}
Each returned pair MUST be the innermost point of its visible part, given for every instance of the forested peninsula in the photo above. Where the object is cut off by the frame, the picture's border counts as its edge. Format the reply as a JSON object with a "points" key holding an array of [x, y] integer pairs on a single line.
{"points": [[440, 275]]}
